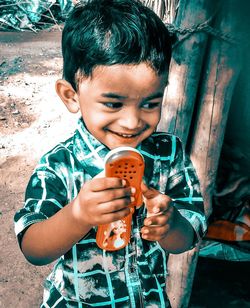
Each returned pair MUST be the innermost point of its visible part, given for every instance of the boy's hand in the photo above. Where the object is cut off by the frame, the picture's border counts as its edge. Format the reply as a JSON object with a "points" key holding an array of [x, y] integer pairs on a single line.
{"points": [[103, 200], [161, 214]]}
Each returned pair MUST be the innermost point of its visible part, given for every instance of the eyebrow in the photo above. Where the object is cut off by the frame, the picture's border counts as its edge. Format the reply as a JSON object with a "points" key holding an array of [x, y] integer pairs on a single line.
{"points": [[153, 96], [118, 96], [113, 95]]}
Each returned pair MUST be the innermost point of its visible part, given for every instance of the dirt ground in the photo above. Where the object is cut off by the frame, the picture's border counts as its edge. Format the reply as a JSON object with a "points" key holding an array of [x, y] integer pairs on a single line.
{"points": [[32, 120]]}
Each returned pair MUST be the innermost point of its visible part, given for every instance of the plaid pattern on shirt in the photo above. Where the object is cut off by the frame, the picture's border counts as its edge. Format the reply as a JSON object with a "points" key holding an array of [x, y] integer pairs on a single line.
{"points": [[87, 276]]}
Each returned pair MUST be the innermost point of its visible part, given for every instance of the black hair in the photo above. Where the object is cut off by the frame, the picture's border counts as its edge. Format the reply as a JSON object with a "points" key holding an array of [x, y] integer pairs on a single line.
{"points": [[108, 32]]}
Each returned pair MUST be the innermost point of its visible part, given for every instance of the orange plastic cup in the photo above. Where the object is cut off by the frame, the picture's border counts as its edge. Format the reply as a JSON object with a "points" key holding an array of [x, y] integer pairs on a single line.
{"points": [[126, 163]]}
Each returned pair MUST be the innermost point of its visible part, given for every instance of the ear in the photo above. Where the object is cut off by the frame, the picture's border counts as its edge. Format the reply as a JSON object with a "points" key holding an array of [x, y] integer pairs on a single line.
{"points": [[68, 95]]}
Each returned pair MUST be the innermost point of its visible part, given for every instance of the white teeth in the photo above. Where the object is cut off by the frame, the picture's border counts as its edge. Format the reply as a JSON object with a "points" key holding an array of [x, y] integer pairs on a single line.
{"points": [[126, 136]]}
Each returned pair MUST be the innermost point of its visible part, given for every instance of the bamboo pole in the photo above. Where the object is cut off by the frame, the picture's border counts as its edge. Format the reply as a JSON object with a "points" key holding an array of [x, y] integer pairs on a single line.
{"points": [[177, 114]]}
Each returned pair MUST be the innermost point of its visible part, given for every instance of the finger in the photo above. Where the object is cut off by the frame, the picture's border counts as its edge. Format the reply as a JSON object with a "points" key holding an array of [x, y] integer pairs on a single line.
{"points": [[159, 220], [99, 184], [154, 233], [148, 192], [112, 195], [115, 210], [159, 211], [158, 205], [114, 205], [111, 217]]}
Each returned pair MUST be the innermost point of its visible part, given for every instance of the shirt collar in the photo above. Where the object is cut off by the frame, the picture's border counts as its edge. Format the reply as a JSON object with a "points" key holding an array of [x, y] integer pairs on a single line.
{"points": [[89, 151]]}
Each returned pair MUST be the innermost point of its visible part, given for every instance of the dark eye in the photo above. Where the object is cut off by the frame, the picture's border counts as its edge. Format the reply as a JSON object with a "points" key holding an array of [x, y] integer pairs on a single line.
{"points": [[113, 105], [148, 105]]}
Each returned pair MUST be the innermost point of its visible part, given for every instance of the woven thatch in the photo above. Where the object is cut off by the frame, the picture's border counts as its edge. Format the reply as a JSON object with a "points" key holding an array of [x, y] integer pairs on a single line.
{"points": [[166, 9], [33, 15]]}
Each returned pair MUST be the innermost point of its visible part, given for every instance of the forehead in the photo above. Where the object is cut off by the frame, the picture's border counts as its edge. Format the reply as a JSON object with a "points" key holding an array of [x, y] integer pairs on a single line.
{"points": [[134, 80]]}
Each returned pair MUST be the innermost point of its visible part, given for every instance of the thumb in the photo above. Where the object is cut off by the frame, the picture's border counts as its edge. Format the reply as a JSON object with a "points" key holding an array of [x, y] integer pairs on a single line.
{"points": [[148, 192]]}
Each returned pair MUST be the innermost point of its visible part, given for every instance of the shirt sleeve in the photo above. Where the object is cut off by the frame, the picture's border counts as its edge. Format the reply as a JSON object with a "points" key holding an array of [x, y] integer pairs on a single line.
{"points": [[46, 194], [184, 189]]}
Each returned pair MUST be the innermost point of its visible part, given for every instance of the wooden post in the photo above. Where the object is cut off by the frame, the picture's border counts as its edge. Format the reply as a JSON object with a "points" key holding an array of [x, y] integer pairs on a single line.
{"points": [[185, 73], [185, 67], [179, 100], [221, 73]]}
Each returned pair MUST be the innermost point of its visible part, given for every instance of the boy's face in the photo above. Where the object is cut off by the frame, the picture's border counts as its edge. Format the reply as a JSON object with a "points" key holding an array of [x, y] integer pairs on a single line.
{"points": [[121, 104]]}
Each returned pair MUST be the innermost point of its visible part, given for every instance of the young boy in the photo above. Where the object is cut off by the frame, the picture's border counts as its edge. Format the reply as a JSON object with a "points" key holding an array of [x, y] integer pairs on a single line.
{"points": [[116, 56]]}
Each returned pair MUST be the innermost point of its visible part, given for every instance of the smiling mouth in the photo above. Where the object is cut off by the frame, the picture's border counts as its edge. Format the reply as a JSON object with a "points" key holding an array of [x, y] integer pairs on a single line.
{"points": [[126, 136]]}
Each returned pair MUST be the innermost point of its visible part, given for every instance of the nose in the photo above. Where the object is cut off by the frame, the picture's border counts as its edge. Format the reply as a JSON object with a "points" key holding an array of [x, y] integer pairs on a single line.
{"points": [[130, 119]]}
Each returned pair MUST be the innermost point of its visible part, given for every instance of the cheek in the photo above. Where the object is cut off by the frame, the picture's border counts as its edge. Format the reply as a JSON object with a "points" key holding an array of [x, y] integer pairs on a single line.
{"points": [[153, 118], [91, 115], [96, 120]]}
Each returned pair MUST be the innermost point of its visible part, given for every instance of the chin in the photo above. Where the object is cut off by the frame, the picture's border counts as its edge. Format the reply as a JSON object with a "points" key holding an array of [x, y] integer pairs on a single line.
{"points": [[115, 141], [126, 143]]}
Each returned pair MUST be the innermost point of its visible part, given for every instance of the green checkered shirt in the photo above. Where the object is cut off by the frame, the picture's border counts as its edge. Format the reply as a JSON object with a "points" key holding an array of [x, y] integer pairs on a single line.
{"points": [[87, 276]]}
